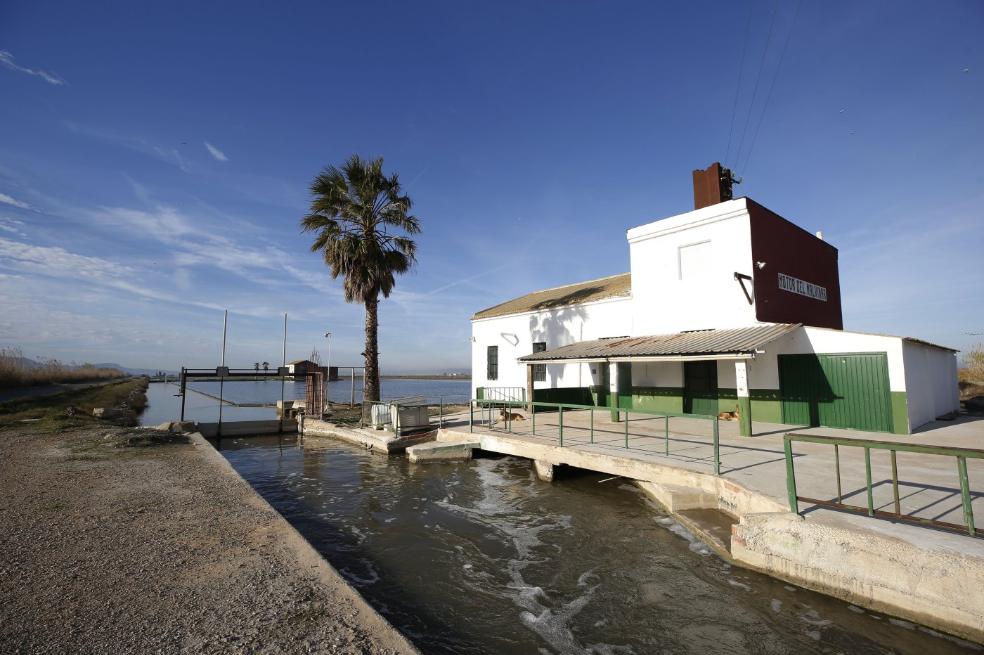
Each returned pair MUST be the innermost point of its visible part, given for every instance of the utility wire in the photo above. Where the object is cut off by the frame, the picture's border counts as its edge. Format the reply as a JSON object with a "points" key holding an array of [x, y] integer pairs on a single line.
{"points": [[758, 78], [772, 84], [741, 69]]}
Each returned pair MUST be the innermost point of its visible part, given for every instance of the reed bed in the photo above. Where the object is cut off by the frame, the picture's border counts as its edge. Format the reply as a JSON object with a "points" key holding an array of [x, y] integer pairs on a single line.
{"points": [[18, 371]]}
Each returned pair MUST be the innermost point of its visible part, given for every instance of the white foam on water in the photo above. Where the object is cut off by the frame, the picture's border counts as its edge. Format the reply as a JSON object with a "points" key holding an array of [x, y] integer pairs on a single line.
{"points": [[371, 577], [498, 510], [811, 617], [813, 634], [776, 605], [740, 585], [855, 609], [609, 649], [695, 544], [902, 624], [789, 588]]}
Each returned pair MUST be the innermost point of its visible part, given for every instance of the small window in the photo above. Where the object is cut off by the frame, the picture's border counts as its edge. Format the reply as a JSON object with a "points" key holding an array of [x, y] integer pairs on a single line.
{"points": [[492, 363], [539, 370]]}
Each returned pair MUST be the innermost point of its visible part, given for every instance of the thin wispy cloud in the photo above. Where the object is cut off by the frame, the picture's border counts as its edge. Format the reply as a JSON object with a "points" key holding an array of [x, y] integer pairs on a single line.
{"points": [[217, 154], [12, 225], [7, 200], [166, 154], [7, 59]]}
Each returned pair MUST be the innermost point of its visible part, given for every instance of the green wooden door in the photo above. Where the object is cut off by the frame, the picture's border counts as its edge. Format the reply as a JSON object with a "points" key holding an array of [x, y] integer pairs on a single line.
{"points": [[848, 390], [700, 389]]}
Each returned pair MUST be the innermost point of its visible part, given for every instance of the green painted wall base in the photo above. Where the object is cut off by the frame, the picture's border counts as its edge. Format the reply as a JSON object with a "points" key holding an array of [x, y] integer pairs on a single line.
{"points": [[570, 395], [745, 416], [900, 413]]}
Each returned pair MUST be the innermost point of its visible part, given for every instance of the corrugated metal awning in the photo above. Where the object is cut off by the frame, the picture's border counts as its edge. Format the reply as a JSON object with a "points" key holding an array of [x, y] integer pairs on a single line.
{"points": [[698, 344]]}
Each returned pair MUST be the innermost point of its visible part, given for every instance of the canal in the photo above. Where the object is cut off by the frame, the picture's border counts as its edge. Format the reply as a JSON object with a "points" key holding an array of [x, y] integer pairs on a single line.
{"points": [[481, 557]]}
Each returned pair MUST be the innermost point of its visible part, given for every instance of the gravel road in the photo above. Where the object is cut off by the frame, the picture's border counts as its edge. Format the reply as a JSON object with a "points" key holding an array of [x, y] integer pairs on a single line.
{"points": [[121, 540]]}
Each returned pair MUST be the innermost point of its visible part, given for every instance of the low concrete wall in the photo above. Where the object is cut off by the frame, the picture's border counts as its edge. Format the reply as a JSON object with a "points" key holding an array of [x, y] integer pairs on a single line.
{"points": [[381, 441], [247, 428], [929, 577]]}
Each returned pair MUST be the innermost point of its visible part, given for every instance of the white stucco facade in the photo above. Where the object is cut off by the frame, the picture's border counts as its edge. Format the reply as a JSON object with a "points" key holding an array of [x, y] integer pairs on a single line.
{"points": [[515, 334], [683, 270]]}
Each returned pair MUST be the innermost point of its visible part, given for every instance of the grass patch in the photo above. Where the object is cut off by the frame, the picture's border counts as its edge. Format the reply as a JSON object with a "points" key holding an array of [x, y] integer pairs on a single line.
{"points": [[74, 407]]}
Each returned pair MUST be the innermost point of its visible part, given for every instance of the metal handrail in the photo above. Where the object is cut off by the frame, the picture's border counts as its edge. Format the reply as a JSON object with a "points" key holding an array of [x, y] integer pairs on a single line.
{"points": [[505, 394], [893, 447], [560, 407]]}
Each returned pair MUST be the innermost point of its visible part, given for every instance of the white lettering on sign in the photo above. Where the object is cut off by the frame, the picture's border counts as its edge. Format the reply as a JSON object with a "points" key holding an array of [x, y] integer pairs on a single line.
{"points": [[798, 286]]}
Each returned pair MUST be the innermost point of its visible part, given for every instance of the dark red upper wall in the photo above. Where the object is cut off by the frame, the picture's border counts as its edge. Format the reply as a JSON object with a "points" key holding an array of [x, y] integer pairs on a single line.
{"points": [[787, 248]]}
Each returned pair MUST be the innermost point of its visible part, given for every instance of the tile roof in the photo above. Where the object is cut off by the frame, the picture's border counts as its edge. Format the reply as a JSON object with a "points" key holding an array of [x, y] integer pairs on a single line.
{"points": [[613, 286], [697, 342]]}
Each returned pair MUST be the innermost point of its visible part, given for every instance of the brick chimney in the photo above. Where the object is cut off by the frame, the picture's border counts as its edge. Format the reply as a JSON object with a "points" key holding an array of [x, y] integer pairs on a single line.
{"points": [[712, 185]]}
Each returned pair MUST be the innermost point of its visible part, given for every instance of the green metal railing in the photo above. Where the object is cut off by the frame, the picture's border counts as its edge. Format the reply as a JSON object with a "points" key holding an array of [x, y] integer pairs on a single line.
{"points": [[505, 407], [961, 455]]}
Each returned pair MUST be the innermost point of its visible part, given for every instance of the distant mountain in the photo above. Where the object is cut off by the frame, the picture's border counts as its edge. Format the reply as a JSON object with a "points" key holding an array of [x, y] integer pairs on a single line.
{"points": [[132, 371]]}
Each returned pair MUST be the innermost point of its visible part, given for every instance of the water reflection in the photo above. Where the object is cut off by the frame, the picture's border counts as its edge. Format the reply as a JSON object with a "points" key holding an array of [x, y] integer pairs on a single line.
{"points": [[480, 557]]}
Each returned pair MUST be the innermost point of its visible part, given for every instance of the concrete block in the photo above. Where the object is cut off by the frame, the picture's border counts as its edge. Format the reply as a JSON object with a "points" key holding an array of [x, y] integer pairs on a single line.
{"points": [[676, 497], [544, 470], [440, 451]]}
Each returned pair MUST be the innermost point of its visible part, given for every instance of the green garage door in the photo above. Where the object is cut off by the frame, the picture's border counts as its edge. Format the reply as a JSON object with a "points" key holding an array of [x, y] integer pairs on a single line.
{"points": [[838, 391]]}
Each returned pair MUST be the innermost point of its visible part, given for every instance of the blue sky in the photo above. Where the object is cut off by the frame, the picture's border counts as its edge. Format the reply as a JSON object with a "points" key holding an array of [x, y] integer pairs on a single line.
{"points": [[154, 159]]}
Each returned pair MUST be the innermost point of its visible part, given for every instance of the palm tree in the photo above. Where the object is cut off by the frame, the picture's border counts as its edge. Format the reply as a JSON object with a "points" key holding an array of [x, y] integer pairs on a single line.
{"points": [[352, 210]]}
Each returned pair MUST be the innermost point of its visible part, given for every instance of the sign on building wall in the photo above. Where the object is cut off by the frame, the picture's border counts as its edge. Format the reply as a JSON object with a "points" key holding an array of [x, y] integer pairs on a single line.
{"points": [[801, 287]]}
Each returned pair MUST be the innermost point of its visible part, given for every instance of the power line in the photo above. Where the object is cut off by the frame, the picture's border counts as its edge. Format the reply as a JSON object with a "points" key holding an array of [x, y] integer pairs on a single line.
{"points": [[758, 78], [741, 69], [772, 85]]}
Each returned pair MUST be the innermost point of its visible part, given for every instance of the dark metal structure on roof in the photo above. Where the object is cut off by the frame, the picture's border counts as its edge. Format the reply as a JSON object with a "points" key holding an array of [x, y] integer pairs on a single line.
{"points": [[735, 342]]}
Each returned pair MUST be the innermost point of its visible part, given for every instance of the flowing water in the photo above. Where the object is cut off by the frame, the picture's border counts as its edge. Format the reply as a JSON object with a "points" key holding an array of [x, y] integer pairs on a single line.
{"points": [[481, 557], [163, 405]]}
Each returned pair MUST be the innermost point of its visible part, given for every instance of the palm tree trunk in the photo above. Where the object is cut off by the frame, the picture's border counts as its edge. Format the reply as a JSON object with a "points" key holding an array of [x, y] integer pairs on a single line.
{"points": [[370, 389]]}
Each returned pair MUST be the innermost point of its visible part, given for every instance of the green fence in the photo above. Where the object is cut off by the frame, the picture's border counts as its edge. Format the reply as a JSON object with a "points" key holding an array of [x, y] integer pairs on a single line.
{"points": [[961, 455], [504, 409]]}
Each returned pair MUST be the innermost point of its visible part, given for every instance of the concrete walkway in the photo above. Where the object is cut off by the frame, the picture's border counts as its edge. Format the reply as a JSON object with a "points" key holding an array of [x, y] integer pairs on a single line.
{"points": [[928, 484]]}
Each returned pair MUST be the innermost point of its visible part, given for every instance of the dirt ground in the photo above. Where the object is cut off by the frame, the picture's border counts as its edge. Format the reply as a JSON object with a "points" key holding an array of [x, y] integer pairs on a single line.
{"points": [[117, 539]]}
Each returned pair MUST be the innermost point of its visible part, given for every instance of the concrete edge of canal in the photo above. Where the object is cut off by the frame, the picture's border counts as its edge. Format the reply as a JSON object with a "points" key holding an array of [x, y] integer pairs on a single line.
{"points": [[311, 559]]}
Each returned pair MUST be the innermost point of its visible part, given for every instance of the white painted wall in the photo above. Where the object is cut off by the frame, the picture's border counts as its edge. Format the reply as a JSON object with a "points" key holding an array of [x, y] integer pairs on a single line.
{"points": [[683, 270], [930, 381], [657, 374], [515, 334]]}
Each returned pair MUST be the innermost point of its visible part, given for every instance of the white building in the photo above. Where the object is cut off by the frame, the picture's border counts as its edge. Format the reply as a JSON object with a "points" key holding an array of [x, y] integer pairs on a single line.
{"points": [[729, 304]]}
